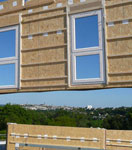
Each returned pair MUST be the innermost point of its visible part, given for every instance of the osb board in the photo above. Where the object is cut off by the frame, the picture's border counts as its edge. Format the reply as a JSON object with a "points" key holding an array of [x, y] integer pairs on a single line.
{"points": [[44, 25], [8, 5], [39, 2], [39, 41], [121, 77], [124, 136], [119, 11], [120, 29], [42, 89], [44, 83], [118, 148], [44, 55], [114, 47], [5, 91], [36, 148], [5, 6], [100, 86], [120, 64], [43, 14], [9, 20], [110, 2], [123, 46], [41, 71], [48, 55], [59, 132], [87, 6]]}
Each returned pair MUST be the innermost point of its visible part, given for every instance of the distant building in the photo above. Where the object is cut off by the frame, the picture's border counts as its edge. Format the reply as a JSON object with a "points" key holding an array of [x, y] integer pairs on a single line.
{"points": [[89, 107]]}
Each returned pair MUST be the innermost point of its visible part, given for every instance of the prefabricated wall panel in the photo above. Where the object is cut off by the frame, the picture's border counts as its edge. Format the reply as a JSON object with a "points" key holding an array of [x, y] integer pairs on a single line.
{"points": [[118, 140], [65, 136], [89, 138], [119, 41], [45, 42]]}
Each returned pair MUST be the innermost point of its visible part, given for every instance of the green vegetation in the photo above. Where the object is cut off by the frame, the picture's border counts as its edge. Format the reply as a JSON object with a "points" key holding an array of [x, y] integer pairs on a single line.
{"points": [[2, 135], [109, 118]]}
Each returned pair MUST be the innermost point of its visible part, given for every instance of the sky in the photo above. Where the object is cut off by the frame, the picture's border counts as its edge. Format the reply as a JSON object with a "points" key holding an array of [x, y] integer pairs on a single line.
{"points": [[117, 97], [97, 98]]}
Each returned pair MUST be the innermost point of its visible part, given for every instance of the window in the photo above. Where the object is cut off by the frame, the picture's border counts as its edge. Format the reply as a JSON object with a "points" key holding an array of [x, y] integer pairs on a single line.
{"points": [[87, 48], [9, 57]]}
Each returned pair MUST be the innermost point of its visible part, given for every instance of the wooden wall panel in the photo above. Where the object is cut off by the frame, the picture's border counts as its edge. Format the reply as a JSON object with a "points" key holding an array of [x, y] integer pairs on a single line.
{"points": [[51, 59], [120, 30], [53, 55], [8, 6], [121, 77], [119, 11], [5, 6], [45, 50], [30, 43], [119, 42], [53, 24], [52, 39], [30, 57], [94, 138], [62, 132], [30, 72], [9, 20], [115, 136], [44, 83], [123, 46], [120, 64], [52, 70], [44, 55]]}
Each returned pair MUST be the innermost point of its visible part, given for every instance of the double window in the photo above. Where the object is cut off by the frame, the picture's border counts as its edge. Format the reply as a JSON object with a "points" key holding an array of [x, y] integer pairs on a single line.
{"points": [[9, 57], [87, 48]]}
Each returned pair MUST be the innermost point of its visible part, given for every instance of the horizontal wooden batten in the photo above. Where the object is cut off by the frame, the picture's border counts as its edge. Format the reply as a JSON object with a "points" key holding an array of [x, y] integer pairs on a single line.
{"points": [[120, 73], [118, 4], [38, 4], [121, 55], [117, 145], [116, 140], [44, 79], [121, 82], [19, 8], [43, 11], [58, 137], [43, 48], [84, 10], [41, 33], [119, 20], [46, 86], [119, 38], [44, 18], [45, 63]]}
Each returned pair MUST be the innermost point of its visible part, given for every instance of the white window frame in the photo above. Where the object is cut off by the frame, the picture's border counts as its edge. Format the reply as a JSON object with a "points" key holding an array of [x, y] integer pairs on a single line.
{"points": [[88, 50], [11, 60]]}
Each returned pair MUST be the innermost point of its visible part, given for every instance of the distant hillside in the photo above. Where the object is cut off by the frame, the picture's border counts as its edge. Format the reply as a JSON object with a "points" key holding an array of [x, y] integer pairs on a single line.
{"points": [[109, 118]]}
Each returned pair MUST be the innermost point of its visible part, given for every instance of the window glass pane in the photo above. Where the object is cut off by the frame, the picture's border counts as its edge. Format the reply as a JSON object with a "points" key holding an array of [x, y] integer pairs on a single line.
{"points": [[7, 43], [87, 66], [7, 74], [3, 0], [86, 32]]}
